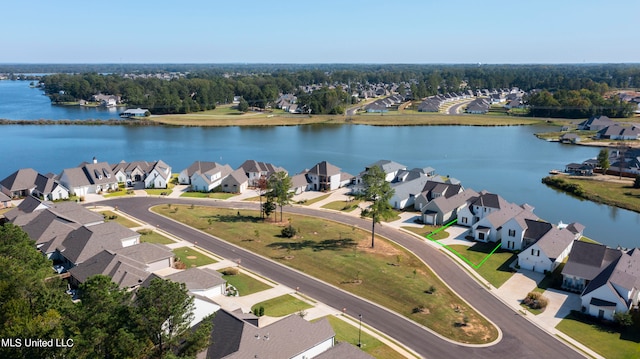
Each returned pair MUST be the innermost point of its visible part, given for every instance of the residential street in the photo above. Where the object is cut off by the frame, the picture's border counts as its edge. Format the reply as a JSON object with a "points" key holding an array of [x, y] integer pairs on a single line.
{"points": [[520, 338]]}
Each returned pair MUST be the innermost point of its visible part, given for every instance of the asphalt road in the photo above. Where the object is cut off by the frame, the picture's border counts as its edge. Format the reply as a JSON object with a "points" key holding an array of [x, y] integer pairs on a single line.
{"points": [[520, 338]]}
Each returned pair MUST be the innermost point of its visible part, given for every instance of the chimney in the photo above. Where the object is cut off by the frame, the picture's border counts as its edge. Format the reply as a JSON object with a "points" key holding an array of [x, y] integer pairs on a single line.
{"points": [[95, 160]]}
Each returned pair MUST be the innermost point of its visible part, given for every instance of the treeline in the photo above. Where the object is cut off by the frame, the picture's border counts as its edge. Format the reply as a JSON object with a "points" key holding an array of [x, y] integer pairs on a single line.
{"points": [[202, 87], [577, 104], [107, 322]]}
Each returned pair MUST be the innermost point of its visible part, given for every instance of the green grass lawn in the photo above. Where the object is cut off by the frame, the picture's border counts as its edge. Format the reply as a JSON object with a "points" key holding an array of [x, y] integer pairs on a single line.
{"points": [[496, 268], [245, 284], [616, 194], [154, 237], [611, 344], [119, 193], [192, 258], [282, 305], [346, 332], [158, 191], [343, 205], [317, 199], [428, 229], [215, 195], [341, 255], [119, 219]]}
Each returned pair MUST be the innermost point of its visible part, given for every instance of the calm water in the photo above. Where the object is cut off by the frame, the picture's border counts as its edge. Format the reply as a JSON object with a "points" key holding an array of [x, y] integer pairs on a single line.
{"points": [[509, 161]]}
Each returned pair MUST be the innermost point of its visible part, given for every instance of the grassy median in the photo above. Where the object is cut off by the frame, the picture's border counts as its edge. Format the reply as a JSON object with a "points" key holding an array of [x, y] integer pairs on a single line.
{"points": [[341, 255]]}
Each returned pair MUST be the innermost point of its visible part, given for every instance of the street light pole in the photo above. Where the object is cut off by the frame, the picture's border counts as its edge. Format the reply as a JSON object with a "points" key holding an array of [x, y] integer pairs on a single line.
{"points": [[360, 331]]}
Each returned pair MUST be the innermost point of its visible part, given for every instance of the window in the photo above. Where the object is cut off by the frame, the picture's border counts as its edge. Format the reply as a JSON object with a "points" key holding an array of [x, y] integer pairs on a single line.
{"points": [[535, 252], [512, 233], [464, 219], [510, 245], [481, 236]]}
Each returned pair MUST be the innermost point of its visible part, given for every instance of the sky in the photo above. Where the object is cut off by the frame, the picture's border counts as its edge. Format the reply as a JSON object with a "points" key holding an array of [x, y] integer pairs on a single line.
{"points": [[327, 31]]}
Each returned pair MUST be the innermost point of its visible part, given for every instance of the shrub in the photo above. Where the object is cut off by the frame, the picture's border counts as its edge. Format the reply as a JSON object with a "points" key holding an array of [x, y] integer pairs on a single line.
{"points": [[261, 311], [535, 300], [623, 319], [417, 309], [230, 271], [288, 231]]}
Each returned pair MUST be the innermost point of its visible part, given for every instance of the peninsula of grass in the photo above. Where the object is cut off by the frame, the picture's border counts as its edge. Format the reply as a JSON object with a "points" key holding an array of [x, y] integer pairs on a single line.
{"points": [[426, 230], [282, 305], [346, 332], [244, 283], [214, 195], [609, 192], [158, 191], [151, 236], [192, 258], [116, 217], [495, 269], [341, 255], [118, 193], [205, 119], [344, 206], [611, 343]]}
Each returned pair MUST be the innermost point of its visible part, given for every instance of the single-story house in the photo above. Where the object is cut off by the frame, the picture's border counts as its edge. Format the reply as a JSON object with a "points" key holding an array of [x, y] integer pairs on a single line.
{"points": [[135, 113], [201, 281], [95, 177], [20, 183], [235, 182]]}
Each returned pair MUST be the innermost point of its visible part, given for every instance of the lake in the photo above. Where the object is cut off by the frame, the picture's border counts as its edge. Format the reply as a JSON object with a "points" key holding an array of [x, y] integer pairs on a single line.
{"points": [[509, 161]]}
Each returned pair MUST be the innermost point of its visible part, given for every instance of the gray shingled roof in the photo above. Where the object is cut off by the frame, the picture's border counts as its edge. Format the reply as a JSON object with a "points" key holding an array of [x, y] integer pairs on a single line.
{"points": [[46, 226], [446, 205], [22, 179], [74, 212], [249, 166], [586, 260], [555, 241], [123, 271], [146, 252], [85, 242], [388, 166], [237, 177], [233, 338], [324, 168], [344, 350], [198, 278]]}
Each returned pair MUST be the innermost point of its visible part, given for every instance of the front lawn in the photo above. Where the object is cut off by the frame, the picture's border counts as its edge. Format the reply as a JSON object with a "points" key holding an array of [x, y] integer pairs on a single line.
{"points": [[245, 284], [346, 332], [344, 206], [215, 195], [426, 230], [316, 200], [609, 342], [192, 258], [119, 193], [158, 191], [116, 217], [282, 305], [495, 268], [148, 235], [341, 255]]}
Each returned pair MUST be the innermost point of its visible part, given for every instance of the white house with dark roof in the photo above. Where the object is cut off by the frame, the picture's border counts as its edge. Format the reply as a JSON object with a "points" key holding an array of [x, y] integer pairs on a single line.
{"points": [[20, 183], [255, 170], [204, 176], [595, 123], [443, 209], [291, 337], [390, 168], [615, 289], [49, 188], [551, 249], [235, 182], [95, 177], [586, 260], [433, 189], [153, 174], [326, 177], [5, 201], [479, 207]]}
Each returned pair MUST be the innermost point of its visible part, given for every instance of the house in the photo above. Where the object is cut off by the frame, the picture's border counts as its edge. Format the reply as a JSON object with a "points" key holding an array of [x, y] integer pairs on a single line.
{"points": [[299, 183], [20, 183], [94, 177], [433, 189], [479, 207], [204, 176], [291, 337], [135, 113], [154, 174], [409, 184], [235, 182], [49, 188], [201, 281], [255, 170], [443, 209], [390, 168], [128, 267], [324, 177], [491, 227], [586, 260], [595, 123], [106, 100], [548, 251], [578, 169], [615, 289], [619, 132], [5, 201]]}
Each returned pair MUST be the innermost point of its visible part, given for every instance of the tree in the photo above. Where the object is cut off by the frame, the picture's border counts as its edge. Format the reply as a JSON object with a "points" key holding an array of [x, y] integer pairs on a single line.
{"points": [[603, 160], [279, 185], [243, 105], [261, 186], [268, 207], [164, 311], [377, 191]]}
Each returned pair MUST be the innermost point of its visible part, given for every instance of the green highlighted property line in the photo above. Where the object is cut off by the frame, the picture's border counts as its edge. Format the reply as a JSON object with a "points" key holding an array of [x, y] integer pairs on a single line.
{"points": [[475, 266]]}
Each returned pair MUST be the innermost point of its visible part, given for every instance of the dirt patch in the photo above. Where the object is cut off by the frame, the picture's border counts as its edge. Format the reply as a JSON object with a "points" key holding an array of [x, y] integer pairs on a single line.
{"points": [[192, 257], [381, 247], [289, 257]]}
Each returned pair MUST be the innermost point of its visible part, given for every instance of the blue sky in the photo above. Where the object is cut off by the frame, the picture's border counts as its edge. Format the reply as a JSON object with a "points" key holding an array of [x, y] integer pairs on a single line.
{"points": [[328, 31]]}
